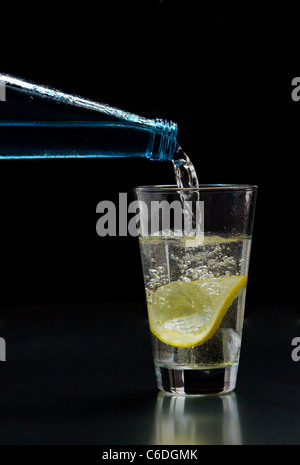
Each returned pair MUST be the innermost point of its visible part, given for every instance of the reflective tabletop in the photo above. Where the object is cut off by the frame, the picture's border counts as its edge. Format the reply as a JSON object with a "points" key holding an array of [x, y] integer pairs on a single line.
{"points": [[83, 374]]}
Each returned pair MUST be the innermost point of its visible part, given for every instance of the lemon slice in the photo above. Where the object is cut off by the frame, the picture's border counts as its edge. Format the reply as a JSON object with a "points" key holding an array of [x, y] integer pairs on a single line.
{"points": [[187, 314]]}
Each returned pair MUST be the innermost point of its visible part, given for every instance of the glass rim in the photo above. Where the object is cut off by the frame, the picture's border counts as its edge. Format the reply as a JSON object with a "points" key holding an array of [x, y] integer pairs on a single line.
{"points": [[202, 187]]}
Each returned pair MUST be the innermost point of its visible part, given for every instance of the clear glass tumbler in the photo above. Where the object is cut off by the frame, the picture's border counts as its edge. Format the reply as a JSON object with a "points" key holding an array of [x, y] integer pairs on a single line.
{"points": [[195, 248]]}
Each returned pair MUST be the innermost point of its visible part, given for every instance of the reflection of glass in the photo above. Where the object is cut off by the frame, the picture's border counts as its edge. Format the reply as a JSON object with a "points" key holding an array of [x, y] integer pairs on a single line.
{"points": [[196, 285], [196, 420]]}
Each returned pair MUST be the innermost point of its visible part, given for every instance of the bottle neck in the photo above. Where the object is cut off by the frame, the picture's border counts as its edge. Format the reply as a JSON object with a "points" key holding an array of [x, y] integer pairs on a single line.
{"points": [[162, 141], [120, 133]]}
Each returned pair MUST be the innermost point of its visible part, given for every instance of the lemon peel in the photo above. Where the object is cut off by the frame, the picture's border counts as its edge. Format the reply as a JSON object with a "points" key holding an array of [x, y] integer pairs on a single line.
{"points": [[187, 314]]}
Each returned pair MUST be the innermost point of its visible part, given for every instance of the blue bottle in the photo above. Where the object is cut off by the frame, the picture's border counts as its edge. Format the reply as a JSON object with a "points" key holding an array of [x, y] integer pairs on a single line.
{"points": [[40, 122]]}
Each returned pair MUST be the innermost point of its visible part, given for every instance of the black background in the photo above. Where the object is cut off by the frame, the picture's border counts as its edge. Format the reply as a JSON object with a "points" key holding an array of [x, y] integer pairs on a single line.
{"points": [[222, 71]]}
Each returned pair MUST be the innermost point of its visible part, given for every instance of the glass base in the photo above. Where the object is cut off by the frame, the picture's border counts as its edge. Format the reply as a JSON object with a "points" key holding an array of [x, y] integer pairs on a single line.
{"points": [[206, 381]]}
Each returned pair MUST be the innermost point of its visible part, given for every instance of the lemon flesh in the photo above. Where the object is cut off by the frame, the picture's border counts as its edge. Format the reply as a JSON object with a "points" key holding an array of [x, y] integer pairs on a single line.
{"points": [[186, 314]]}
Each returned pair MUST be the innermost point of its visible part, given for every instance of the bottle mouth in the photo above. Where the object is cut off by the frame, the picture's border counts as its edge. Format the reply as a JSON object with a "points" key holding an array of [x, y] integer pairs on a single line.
{"points": [[165, 140]]}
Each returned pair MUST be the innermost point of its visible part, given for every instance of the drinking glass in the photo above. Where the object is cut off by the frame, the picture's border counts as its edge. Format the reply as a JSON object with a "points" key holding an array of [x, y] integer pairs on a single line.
{"points": [[195, 249]]}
